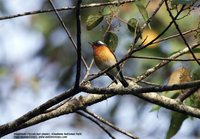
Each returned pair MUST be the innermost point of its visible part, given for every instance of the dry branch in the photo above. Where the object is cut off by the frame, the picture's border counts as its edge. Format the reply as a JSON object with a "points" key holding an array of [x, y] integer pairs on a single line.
{"points": [[82, 102], [92, 5]]}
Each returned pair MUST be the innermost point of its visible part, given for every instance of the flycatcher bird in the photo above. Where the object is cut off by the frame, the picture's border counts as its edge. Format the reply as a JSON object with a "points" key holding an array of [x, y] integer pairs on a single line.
{"points": [[104, 59]]}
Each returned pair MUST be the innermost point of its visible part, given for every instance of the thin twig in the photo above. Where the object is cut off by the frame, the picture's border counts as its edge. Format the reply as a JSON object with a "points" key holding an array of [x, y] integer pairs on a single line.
{"points": [[149, 1], [186, 94], [176, 35], [88, 71], [92, 5], [97, 123], [179, 30], [149, 83], [110, 124], [154, 13], [82, 102], [11, 126], [163, 32], [69, 107], [140, 48], [130, 51], [67, 31], [148, 72], [78, 26], [162, 58], [139, 90], [57, 106], [163, 63]]}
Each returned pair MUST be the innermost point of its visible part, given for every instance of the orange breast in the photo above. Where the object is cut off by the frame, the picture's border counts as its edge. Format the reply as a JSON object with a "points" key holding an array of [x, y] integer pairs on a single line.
{"points": [[103, 54], [104, 58]]}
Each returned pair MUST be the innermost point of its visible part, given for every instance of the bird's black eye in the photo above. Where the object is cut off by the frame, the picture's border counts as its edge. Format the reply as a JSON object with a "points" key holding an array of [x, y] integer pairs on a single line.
{"points": [[98, 43]]}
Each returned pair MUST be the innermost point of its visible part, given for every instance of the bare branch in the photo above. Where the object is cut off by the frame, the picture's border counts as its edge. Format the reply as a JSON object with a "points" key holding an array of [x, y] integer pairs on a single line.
{"points": [[67, 108], [96, 122], [110, 124], [179, 30], [82, 102], [67, 31], [149, 71], [68, 8], [162, 58], [149, 89], [131, 50], [136, 49], [163, 32], [9, 127], [41, 113], [78, 26], [186, 94], [164, 62], [88, 71], [177, 35]]}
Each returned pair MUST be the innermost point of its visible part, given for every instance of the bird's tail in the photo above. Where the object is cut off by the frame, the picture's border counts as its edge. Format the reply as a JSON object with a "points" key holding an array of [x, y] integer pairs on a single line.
{"points": [[122, 80]]}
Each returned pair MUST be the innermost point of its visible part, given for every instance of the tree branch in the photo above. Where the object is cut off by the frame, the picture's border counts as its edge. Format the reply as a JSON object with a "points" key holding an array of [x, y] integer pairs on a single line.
{"points": [[137, 90], [78, 26], [69, 107], [163, 32], [135, 50], [110, 124], [186, 94], [11, 126], [97, 123], [149, 71], [163, 58], [143, 27], [178, 29], [163, 63], [177, 35], [41, 114], [92, 5], [67, 31], [32, 117], [82, 102]]}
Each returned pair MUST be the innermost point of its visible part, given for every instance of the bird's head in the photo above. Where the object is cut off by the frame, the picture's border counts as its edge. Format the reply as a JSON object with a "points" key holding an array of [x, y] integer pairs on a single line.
{"points": [[97, 44]]}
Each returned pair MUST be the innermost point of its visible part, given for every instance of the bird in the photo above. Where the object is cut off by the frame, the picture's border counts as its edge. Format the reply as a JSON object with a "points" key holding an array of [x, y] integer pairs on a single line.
{"points": [[105, 58]]}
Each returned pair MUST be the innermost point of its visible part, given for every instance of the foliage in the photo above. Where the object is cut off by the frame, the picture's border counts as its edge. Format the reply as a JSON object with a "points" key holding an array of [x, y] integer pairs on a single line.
{"points": [[93, 21], [111, 40]]}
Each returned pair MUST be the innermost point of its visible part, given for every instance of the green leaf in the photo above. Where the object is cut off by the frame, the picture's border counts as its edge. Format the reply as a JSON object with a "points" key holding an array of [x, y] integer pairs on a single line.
{"points": [[196, 74], [111, 40], [155, 108], [193, 100], [108, 10], [177, 120], [93, 21], [133, 25], [196, 50], [142, 9]]}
